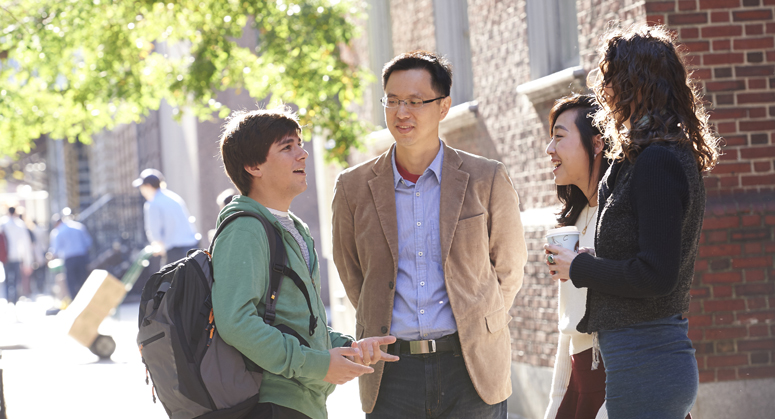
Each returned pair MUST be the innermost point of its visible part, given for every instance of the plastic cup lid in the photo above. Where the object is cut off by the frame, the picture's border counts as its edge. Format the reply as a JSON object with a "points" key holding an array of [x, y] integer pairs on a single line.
{"points": [[562, 230]]}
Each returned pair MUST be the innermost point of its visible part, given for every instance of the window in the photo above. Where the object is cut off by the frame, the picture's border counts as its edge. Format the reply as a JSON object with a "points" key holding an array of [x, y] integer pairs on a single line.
{"points": [[552, 31], [380, 51], [452, 41]]}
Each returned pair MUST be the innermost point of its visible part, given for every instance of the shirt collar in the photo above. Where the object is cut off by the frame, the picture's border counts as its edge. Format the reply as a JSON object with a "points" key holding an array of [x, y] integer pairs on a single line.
{"points": [[435, 166]]}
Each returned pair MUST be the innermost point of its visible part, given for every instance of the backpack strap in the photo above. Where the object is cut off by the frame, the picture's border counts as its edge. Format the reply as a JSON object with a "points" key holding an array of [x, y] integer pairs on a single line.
{"points": [[277, 257], [313, 321], [278, 267]]}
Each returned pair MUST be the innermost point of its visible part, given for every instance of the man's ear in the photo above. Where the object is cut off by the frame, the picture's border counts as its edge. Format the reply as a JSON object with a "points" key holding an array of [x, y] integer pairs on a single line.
{"points": [[446, 103], [254, 170]]}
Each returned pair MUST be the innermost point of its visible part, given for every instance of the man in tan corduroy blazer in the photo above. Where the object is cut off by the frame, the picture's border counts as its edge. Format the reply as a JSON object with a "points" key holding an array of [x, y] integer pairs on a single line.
{"points": [[435, 259]]}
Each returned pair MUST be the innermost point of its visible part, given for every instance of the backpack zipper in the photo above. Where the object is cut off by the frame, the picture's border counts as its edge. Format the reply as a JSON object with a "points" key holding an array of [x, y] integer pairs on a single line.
{"points": [[147, 374], [211, 328], [184, 344], [151, 339]]}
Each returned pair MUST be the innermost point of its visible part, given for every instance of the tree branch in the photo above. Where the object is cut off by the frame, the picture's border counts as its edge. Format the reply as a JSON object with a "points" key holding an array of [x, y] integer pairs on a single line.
{"points": [[17, 20]]}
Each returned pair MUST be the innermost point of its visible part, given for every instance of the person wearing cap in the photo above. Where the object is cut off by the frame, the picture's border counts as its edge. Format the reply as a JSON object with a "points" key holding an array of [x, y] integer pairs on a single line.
{"points": [[166, 216], [70, 241]]}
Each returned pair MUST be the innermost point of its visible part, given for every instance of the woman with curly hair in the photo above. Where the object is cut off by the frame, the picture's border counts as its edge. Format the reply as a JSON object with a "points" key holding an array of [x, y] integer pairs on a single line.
{"points": [[576, 149], [652, 203]]}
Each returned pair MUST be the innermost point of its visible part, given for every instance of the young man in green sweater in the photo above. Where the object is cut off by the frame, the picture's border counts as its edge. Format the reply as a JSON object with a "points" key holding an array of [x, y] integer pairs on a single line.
{"points": [[264, 158]]}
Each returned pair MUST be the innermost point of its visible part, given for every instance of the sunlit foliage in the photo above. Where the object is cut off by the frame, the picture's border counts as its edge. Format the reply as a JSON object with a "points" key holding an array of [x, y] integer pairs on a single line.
{"points": [[71, 68]]}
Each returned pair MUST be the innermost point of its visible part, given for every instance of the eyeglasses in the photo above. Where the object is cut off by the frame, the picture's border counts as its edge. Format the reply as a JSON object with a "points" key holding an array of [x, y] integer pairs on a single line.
{"points": [[390, 102]]}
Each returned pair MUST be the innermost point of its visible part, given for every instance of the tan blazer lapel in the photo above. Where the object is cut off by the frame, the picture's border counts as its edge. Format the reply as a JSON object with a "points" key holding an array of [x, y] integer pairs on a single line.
{"points": [[383, 191], [453, 190]]}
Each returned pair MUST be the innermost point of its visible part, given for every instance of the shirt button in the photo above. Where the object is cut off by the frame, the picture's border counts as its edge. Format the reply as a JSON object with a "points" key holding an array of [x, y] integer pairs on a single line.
{"points": [[419, 224], [418, 194], [422, 311], [425, 335], [422, 283], [384, 329], [420, 253]]}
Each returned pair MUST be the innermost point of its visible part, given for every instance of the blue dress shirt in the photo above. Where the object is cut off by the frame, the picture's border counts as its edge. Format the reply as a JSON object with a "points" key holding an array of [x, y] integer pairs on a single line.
{"points": [[70, 239], [421, 307], [166, 220]]}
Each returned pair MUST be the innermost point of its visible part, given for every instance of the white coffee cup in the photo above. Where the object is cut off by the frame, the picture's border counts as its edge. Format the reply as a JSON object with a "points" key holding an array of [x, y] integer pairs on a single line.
{"points": [[567, 237]]}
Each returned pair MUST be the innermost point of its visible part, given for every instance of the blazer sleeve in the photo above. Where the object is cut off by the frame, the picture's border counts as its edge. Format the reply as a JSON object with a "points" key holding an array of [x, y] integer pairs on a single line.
{"points": [[508, 251], [344, 246]]}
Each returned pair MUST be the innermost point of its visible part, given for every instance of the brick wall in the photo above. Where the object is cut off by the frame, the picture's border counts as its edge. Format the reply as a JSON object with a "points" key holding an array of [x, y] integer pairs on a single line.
{"points": [[534, 332], [499, 51], [413, 25], [594, 17], [732, 47], [519, 131], [732, 314]]}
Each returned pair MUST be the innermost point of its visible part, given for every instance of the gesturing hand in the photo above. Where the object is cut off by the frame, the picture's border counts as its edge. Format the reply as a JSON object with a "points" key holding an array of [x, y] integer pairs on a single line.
{"points": [[371, 352], [341, 369]]}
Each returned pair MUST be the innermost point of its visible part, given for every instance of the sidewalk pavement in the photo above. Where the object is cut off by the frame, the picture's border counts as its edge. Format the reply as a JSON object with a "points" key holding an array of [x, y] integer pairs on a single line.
{"points": [[47, 374]]}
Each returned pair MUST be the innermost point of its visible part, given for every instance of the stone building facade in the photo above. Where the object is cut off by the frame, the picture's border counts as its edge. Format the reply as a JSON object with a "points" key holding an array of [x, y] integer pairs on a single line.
{"points": [[518, 70]]}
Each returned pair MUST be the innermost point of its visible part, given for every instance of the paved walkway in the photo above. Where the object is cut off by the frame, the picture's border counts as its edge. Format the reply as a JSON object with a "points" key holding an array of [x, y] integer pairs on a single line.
{"points": [[49, 375]]}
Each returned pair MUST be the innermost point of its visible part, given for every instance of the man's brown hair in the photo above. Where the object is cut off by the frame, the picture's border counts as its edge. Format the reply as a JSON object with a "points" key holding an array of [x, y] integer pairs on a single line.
{"points": [[247, 138]]}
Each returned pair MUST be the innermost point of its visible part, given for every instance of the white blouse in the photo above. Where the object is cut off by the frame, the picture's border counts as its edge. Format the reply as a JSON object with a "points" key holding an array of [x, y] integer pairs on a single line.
{"points": [[572, 305]]}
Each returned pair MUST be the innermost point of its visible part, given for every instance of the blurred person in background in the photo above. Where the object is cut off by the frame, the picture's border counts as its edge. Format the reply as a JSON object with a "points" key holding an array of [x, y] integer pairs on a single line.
{"points": [[19, 253], [167, 221], [223, 199], [26, 288], [70, 241], [39, 249]]}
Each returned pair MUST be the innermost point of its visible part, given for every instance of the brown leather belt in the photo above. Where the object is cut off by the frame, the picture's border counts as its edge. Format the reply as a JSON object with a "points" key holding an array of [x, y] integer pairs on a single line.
{"points": [[449, 343]]}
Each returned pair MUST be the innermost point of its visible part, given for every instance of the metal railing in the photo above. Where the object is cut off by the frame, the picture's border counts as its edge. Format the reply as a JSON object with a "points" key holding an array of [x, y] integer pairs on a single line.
{"points": [[115, 223]]}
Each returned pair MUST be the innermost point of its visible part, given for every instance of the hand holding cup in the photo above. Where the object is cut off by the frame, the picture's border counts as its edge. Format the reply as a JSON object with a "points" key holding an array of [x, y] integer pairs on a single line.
{"points": [[562, 248]]}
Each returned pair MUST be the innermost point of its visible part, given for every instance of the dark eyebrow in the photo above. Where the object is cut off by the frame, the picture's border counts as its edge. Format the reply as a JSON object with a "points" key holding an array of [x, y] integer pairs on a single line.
{"points": [[556, 127], [286, 140], [412, 96]]}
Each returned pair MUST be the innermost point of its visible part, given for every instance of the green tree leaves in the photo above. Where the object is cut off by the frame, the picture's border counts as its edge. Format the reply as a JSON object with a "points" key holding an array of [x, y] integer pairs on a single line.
{"points": [[71, 68]]}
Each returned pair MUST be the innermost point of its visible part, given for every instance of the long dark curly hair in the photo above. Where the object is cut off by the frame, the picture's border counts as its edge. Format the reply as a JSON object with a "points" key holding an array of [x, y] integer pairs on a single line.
{"points": [[653, 90], [572, 198]]}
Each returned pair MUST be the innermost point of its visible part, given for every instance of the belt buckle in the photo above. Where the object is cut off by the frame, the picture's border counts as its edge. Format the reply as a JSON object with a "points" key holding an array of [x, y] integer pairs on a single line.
{"points": [[422, 347]]}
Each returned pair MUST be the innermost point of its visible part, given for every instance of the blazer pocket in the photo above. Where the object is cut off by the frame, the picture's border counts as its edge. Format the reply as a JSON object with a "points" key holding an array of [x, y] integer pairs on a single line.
{"points": [[466, 223], [497, 320]]}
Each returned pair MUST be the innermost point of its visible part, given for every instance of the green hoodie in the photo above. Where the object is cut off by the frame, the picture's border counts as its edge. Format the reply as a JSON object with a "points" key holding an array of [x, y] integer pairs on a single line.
{"points": [[293, 374]]}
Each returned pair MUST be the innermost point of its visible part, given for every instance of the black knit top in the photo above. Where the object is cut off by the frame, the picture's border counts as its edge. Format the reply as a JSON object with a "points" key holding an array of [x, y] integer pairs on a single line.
{"points": [[648, 231]]}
